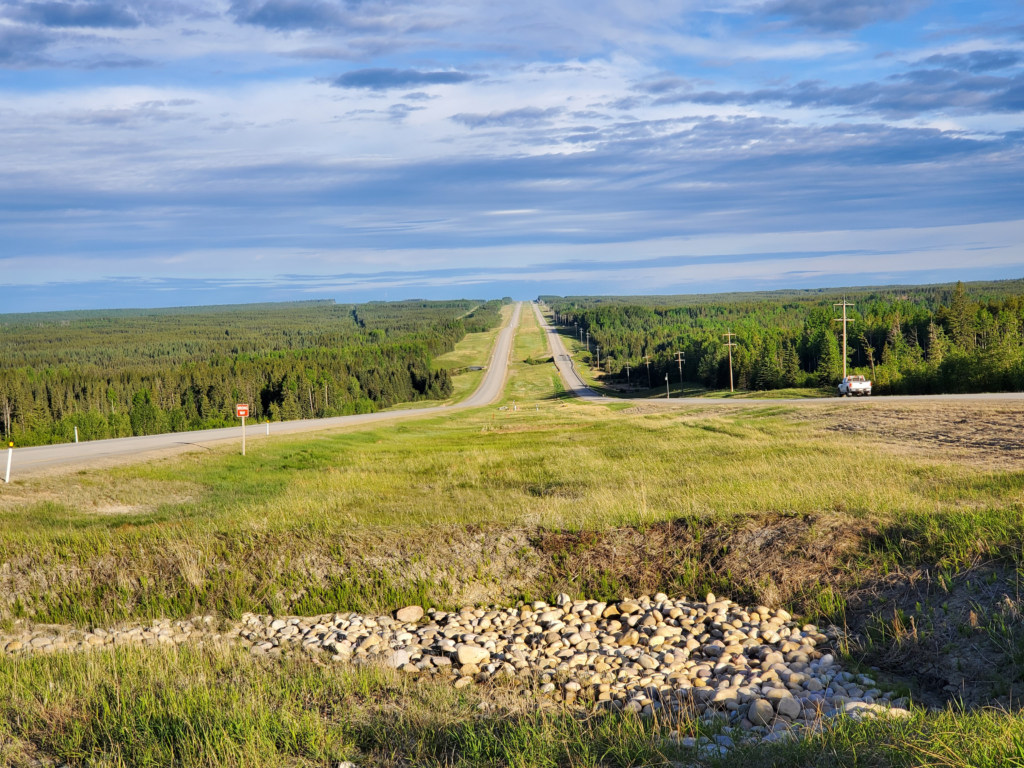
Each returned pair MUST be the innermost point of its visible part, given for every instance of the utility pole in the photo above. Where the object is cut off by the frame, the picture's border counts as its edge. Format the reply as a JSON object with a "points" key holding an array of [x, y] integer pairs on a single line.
{"points": [[627, 373], [680, 358], [668, 392], [647, 359], [730, 344], [599, 357], [844, 321], [588, 341]]}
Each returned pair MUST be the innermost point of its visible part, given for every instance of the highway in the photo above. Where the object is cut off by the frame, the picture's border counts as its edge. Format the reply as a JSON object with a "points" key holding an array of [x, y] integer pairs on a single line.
{"points": [[563, 360], [35, 458], [574, 382]]}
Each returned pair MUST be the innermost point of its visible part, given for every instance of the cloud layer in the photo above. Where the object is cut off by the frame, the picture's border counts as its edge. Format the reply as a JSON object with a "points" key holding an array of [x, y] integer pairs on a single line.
{"points": [[353, 146]]}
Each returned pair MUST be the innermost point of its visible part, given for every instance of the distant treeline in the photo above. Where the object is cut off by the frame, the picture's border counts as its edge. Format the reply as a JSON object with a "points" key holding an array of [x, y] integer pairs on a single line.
{"points": [[908, 340], [140, 372]]}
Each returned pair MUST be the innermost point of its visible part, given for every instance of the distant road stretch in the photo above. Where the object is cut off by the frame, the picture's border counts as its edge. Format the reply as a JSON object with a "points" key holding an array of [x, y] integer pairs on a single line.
{"points": [[44, 456], [563, 361], [574, 382]]}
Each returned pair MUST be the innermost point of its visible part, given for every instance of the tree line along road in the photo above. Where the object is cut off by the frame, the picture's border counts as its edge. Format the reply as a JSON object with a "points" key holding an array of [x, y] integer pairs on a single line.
{"points": [[575, 383], [35, 458]]}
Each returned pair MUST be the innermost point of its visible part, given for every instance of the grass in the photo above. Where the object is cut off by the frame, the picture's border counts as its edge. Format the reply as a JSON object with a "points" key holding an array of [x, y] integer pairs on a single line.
{"points": [[304, 517], [532, 378], [482, 506], [214, 707], [775, 394], [475, 349]]}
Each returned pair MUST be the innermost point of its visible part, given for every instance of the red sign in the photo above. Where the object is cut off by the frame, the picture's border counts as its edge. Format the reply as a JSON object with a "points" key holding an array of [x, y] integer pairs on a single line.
{"points": [[242, 411]]}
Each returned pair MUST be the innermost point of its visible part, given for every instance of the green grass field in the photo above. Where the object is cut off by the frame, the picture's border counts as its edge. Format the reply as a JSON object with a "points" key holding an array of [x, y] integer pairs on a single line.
{"points": [[474, 349], [209, 707], [484, 506]]}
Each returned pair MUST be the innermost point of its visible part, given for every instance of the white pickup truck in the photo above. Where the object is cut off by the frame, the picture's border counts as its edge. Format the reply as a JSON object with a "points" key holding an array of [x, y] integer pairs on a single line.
{"points": [[854, 385]]}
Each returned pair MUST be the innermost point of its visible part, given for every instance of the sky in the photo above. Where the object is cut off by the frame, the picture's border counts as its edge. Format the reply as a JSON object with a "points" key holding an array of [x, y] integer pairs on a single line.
{"points": [[176, 152]]}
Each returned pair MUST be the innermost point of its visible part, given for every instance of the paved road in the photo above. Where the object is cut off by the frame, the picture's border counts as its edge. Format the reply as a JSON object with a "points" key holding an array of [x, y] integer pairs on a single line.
{"points": [[27, 460], [563, 361], [573, 382]]}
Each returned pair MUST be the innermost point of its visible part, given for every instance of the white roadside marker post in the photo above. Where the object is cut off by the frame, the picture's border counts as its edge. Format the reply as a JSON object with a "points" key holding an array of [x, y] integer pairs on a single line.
{"points": [[76, 434], [242, 410], [10, 455]]}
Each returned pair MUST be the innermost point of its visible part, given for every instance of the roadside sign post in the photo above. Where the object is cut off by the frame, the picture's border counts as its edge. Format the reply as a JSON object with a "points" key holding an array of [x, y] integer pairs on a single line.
{"points": [[668, 392], [242, 411], [10, 455]]}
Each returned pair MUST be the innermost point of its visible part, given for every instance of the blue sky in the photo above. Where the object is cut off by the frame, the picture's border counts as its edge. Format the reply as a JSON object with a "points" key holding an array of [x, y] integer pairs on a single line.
{"points": [[178, 152]]}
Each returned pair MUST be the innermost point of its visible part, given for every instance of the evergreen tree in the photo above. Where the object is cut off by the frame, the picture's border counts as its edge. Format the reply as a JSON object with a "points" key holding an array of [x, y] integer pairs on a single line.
{"points": [[830, 362], [936, 342], [290, 409], [895, 345], [790, 366], [961, 325], [145, 416], [765, 374]]}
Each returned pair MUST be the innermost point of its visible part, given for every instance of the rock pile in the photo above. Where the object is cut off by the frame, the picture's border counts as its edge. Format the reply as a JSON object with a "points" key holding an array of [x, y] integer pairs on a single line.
{"points": [[757, 668], [162, 632]]}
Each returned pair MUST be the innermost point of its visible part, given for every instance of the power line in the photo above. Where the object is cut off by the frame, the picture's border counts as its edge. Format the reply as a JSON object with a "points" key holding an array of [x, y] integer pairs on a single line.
{"points": [[844, 321]]}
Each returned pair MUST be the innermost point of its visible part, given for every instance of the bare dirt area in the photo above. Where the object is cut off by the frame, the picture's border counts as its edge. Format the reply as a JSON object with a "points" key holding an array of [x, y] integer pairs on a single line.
{"points": [[949, 638], [989, 433], [982, 432]]}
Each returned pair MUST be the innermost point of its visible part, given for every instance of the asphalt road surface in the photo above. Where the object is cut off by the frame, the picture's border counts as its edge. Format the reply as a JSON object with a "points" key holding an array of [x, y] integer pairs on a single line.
{"points": [[563, 361], [574, 382], [27, 460]]}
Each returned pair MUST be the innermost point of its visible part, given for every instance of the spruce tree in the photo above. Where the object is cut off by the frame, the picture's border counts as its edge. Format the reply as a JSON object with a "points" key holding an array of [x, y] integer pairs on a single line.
{"points": [[790, 366], [766, 374], [830, 363], [961, 323]]}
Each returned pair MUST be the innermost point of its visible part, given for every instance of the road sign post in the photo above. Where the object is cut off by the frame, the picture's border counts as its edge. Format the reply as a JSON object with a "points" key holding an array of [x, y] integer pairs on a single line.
{"points": [[10, 455], [242, 411]]}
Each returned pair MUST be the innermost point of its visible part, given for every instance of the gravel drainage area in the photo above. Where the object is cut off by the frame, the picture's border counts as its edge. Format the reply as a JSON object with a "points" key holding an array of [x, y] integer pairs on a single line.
{"points": [[761, 672]]}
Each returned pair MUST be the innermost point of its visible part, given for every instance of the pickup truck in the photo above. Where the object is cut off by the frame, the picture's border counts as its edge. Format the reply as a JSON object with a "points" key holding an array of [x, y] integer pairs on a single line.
{"points": [[854, 385]]}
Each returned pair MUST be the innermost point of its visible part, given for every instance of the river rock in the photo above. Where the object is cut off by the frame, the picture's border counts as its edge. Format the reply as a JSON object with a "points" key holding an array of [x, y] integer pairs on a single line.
{"points": [[761, 712], [788, 707], [471, 654], [409, 614]]}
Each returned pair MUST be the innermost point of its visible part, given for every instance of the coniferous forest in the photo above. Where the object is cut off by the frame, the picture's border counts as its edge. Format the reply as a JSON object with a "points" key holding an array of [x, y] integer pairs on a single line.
{"points": [[907, 340], [118, 373]]}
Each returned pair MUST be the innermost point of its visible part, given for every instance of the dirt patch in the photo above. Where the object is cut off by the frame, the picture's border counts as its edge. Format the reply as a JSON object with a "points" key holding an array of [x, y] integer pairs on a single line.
{"points": [[765, 558], [989, 434], [950, 638], [115, 498]]}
